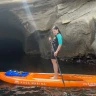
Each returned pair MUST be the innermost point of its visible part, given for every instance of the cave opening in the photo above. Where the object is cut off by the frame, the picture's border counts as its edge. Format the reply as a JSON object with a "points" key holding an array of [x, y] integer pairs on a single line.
{"points": [[12, 37], [13, 44]]}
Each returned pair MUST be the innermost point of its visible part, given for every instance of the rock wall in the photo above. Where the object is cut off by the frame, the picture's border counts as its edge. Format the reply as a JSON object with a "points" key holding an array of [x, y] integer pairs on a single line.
{"points": [[76, 20]]}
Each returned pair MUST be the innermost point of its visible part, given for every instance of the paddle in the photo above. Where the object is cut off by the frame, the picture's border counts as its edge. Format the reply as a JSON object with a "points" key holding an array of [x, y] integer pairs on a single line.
{"points": [[58, 64]]}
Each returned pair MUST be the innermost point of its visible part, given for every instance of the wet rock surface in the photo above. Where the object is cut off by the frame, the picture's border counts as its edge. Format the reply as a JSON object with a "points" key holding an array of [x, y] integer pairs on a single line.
{"points": [[75, 19]]}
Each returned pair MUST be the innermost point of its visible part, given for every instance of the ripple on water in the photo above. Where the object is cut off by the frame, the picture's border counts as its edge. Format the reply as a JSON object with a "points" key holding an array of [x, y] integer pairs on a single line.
{"points": [[15, 90]]}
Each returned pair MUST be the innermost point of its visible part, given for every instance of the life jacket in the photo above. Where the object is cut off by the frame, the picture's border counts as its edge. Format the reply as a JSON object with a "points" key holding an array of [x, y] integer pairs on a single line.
{"points": [[16, 73], [55, 42]]}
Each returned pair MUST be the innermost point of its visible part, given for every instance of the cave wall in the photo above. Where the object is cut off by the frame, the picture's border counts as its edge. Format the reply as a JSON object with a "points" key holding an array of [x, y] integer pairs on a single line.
{"points": [[76, 20]]}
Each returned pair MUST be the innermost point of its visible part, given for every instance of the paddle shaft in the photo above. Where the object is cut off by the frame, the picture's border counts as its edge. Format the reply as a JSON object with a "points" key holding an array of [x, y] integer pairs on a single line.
{"points": [[58, 64]]}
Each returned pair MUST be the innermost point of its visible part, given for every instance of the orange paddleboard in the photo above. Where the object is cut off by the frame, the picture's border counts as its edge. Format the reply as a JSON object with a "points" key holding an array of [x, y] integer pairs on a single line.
{"points": [[43, 79]]}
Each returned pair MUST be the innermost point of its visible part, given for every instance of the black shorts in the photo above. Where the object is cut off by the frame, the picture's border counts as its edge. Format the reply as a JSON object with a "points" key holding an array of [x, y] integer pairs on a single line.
{"points": [[52, 55]]}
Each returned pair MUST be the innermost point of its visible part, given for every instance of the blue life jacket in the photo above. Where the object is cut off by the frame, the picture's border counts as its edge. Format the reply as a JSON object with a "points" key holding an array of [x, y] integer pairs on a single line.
{"points": [[55, 42], [16, 73]]}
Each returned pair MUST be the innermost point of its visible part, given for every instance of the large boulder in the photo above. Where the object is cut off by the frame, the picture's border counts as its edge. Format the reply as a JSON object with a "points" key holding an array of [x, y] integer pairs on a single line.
{"points": [[75, 19]]}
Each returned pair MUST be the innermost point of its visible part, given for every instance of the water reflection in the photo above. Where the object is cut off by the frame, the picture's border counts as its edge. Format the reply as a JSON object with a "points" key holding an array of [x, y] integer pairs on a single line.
{"points": [[34, 63]]}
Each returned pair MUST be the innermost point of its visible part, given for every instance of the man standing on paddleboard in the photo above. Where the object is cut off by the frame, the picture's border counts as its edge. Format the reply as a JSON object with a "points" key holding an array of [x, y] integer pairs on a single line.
{"points": [[56, 44]]}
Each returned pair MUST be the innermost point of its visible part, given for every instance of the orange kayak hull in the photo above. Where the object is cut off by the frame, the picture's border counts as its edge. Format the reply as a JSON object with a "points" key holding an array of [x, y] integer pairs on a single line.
{"points": [[43, 79]]}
